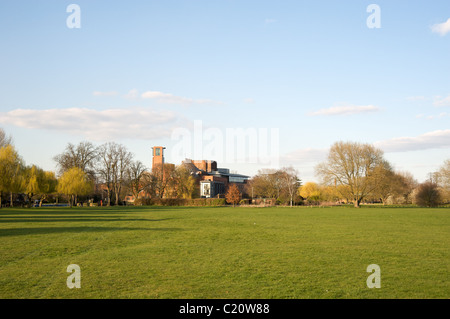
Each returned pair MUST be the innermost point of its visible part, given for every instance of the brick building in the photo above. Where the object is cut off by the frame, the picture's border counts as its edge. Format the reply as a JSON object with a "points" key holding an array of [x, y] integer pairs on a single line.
{"points": [[213, 181]]}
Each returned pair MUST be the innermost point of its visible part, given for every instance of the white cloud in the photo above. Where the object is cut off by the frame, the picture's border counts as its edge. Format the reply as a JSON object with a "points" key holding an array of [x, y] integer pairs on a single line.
{"points": [[173, 99], [441, 101], [269, 20], [435, 139], [99, 125], [346, 110], [98, 93], [249, 101], [441, 28]]}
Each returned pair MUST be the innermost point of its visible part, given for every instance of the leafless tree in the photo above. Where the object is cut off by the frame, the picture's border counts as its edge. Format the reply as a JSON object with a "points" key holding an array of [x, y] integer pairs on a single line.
{"points": [[290, 181], [136, 178], [113, 164], [353, 165], [84, 156]]}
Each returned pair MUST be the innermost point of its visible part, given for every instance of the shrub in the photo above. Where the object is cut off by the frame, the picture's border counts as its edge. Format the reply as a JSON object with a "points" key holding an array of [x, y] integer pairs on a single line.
{"points": [[428, 195], [244, 202]]}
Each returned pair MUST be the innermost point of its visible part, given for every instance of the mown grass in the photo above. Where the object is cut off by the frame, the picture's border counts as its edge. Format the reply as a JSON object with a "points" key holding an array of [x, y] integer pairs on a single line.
{"points": [[224, 252]]}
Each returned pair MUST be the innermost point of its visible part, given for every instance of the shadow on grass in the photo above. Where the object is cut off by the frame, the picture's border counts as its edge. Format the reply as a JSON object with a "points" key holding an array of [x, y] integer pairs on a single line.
{"points": [[72, 218], [96, 210], [55, 230]]}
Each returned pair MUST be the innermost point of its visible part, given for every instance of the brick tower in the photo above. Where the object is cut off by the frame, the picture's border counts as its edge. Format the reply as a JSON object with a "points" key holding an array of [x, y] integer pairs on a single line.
{"points": [[158, 156]]}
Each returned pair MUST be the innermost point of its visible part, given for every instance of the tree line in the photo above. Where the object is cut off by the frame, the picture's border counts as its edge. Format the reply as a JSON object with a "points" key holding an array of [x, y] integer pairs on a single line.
{"points": [[354, 173], [108, 173]]}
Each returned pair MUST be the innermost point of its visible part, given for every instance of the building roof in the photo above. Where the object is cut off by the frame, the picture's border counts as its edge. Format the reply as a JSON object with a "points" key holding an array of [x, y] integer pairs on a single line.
{"points": [[219, 172]]}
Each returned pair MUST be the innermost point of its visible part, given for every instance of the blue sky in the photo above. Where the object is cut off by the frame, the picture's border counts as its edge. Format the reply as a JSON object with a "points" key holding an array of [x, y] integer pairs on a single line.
{"points": [[311, 70]]}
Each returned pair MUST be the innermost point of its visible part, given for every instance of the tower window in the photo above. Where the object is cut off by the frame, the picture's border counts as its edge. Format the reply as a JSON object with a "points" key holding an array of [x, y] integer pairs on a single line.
{"points": [[157, 151]]}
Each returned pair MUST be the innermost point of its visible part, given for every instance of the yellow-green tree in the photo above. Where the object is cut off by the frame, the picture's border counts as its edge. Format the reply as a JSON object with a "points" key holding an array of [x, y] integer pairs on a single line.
{"points": [[311, 191], [185, 184], [47, 186], [74, 182], [39, 183], [32, 181], [10, 169]]}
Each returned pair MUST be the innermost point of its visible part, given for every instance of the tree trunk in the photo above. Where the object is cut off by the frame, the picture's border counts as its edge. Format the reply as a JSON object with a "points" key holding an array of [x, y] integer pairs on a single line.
{"points": [[357, 202], [11, 199], [0, 199], [108, 203]]}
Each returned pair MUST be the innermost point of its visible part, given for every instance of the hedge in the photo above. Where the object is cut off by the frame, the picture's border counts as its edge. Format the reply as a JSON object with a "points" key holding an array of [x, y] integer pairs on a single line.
{"points": [[180, 202]]}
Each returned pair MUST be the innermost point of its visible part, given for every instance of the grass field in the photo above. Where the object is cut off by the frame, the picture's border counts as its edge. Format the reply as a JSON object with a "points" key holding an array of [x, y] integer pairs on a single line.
{"points": [[225, 252]]}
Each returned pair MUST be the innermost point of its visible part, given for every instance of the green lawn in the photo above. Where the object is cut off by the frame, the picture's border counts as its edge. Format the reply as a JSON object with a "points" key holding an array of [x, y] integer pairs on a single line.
{"points": [[224, 252]]}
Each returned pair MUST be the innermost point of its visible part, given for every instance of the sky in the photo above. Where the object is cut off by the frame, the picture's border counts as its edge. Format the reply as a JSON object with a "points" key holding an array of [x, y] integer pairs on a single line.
{"points": [[250, 84]]}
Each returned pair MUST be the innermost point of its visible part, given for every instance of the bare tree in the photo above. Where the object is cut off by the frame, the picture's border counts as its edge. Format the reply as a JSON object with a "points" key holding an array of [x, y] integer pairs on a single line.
{"points": [[83, 156], [290, 181], [444, 174], [267, 183], [136, 178], [409, 183], [123, 164], [353, 165], [163, 179], [114, 161]]}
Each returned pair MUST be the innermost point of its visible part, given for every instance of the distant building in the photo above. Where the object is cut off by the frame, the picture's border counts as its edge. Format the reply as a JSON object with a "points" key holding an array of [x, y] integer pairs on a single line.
{"points": [[212, 181], [158, 155]]}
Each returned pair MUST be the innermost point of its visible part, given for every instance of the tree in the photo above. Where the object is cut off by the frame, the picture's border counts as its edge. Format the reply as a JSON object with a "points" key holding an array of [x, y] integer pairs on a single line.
{"points": [[233, 195], [163, 180], [123, 164], [83, 156], [37, 182], [48, 186], [10, 169], [352, 165], [184, 182], [428, 194], [18, 182], [290, 182], [444, 180], [136, 178], [114, 162], [444, 174], [260, 186], [74, 182], [33, 180], [389, 184], [409, 184], [311, 191], [5, 140]]}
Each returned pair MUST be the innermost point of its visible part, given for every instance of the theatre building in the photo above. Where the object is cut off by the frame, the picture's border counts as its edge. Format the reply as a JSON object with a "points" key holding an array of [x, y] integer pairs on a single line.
{"points": [[213, 181]]}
